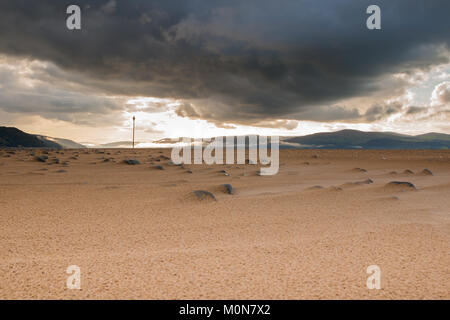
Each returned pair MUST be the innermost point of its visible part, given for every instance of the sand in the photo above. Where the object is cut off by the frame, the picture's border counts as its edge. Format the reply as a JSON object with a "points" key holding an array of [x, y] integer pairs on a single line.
{"points": [[309, 232]]}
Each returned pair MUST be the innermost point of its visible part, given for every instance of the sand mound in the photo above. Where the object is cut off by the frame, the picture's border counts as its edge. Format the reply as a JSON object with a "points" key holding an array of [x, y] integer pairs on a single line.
{"points": [[41, 158], [224, 173], [400, 186], [228, 188], [202, 195], [315, 188], [131, 161], [367, 181], [426, 172], [357, 183]]}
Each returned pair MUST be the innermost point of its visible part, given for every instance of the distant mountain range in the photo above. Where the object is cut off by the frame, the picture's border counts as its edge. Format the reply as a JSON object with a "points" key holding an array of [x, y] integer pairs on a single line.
{"points": [[344, 139], [14, 138], [353, 139]]}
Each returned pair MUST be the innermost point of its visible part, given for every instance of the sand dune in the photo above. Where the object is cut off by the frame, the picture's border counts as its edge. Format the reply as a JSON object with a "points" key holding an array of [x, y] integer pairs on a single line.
{"points": [[139, 231]]}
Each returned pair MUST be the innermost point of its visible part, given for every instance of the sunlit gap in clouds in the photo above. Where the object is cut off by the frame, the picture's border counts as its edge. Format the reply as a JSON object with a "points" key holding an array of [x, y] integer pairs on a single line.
{"points": [[156, 118]]}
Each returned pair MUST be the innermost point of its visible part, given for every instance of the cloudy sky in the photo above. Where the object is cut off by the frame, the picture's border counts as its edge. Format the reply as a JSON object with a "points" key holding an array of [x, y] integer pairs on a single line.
{"points": [[223, 67]]}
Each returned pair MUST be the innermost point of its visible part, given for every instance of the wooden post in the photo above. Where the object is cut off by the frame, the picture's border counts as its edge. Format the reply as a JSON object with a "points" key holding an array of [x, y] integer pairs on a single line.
{"points": [[134, 119]]}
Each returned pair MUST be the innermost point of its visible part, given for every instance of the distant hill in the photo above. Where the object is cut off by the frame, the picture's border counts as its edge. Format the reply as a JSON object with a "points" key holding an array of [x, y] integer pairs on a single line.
{"points": [[12, 138], [65, 143], [344, 139], [354, 139], [434, 136]]}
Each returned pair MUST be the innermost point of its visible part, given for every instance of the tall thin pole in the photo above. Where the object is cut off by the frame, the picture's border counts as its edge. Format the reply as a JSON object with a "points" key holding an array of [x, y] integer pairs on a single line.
{"points": [[134, 119]]}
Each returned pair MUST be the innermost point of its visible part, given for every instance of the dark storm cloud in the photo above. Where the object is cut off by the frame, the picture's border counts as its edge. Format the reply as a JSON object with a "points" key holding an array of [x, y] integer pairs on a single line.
{"points": [[234, 61], [379, 111]]}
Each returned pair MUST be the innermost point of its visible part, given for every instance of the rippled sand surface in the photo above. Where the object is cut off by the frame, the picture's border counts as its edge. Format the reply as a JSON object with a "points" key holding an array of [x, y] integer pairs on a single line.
{"points": [[309, 232]]}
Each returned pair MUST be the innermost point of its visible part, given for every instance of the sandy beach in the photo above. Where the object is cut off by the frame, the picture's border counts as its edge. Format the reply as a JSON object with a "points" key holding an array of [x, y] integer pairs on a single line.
{"points": [[309, 232]]}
